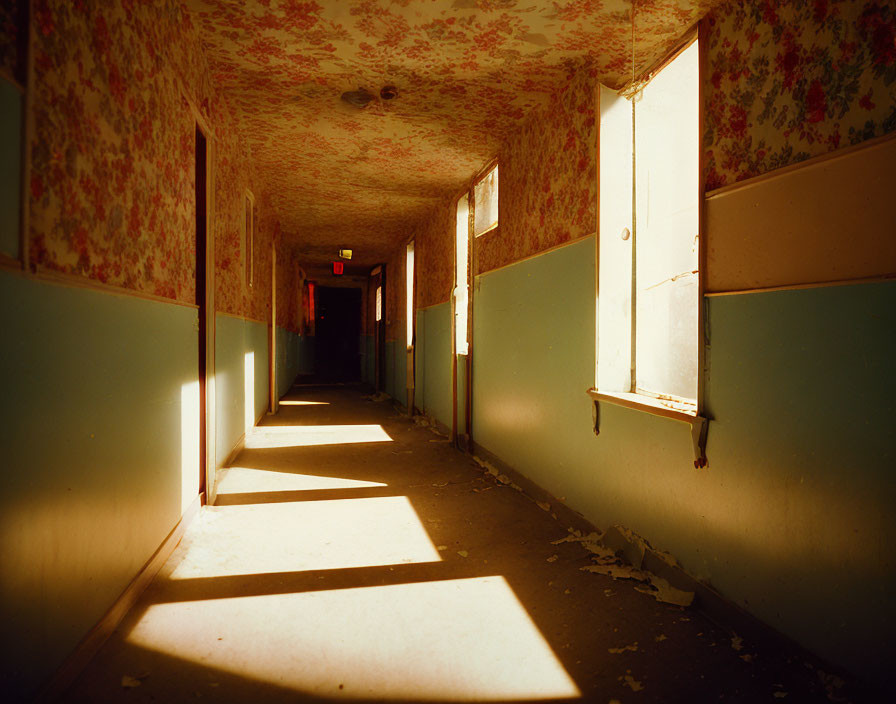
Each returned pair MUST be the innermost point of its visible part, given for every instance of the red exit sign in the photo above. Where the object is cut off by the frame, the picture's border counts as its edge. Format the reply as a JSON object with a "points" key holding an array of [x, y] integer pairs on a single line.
{"points": [[338, 268]]}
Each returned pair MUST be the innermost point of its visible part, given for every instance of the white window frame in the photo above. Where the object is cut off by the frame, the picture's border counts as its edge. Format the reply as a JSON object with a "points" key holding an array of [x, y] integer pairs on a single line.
{"points": [[686, 410], [492, 168]]}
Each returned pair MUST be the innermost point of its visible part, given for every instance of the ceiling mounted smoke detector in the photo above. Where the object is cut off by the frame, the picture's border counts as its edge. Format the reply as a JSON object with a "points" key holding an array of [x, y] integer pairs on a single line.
{"points": [[358, 98]]}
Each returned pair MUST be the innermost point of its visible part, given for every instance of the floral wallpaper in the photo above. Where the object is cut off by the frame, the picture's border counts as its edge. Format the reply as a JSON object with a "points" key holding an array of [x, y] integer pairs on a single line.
{"points": [[112, 152], [434, 253], [547, 179], [395, 295], [467, 74], [291, 291], [112, 183], [787, 80]]}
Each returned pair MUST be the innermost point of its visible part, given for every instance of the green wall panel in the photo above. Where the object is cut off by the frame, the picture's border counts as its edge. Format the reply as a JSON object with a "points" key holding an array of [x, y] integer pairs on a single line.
{"points": [[368, 364], [295, 355], [799, 523], [792, 519], [287, 354], [397, 370], [419, 359], [236, 338], [533, 347], [93, 467], [433, 392], [390, 368]]}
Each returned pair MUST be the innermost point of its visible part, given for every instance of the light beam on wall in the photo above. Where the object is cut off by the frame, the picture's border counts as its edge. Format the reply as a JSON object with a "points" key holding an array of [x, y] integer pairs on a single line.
{"points": [[249, 391], [189, 443]]}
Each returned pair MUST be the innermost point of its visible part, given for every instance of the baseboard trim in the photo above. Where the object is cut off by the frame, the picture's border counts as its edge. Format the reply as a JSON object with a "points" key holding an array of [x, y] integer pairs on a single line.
{"points": [[91, 643]]}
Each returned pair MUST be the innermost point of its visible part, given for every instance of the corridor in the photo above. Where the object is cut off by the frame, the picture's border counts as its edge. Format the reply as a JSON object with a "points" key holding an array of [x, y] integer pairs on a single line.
{"points": [[355, 554]]}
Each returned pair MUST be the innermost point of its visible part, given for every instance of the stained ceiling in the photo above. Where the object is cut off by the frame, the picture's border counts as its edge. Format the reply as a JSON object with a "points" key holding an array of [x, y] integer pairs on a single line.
{"points": [[467, 73]]}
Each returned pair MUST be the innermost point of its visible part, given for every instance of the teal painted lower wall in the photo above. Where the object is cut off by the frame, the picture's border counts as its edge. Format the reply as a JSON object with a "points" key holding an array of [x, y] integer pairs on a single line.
{"points": [[241, 349], [433, 363], [96, 472], [368, 361], [295, 355], [397, 370], [792, 519]]}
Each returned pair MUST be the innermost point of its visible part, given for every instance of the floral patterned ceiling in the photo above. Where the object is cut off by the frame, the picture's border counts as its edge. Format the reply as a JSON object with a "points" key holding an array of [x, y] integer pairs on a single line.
{"points": [[467, 73]]}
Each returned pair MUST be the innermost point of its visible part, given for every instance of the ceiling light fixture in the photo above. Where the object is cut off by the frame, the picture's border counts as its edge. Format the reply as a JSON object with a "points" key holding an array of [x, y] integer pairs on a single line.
{"points": [[358, 98]]}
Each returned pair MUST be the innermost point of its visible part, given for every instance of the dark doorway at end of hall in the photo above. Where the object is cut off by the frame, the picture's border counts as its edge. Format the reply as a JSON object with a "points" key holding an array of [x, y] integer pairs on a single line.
{"points": [[337, 357]]}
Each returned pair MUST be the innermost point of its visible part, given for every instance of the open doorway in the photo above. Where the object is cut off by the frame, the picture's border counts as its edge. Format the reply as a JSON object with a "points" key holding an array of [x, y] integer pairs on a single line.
{"points": [[337, 342]]}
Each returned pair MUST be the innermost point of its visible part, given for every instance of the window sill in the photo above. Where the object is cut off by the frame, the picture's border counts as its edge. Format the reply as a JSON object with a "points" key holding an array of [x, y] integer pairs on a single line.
{"points": [[647, 404], [655, 407]]}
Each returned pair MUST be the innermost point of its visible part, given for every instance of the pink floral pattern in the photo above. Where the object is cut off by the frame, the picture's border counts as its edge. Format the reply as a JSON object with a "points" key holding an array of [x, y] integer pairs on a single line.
{"points": [[434, 253], [468, 72], [547, 179], [112, 187], [395, 294], [788, 80]]}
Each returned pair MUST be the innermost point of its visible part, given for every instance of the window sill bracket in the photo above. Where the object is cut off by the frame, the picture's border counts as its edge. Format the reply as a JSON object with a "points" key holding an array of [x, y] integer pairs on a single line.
{"points": [[699, 424]]}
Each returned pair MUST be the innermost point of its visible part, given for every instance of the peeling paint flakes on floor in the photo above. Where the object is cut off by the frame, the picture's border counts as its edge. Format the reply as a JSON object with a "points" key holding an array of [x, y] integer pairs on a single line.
{"points": [[553, 558], [664, 592], [737, 643], [632, 683], [616, 651]]}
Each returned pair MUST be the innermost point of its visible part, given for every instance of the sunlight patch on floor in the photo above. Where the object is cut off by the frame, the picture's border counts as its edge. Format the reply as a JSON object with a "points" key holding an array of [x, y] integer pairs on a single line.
{"points": [[242, 480], [305, 535], [313, 435], [304, 403], [458, 640]]}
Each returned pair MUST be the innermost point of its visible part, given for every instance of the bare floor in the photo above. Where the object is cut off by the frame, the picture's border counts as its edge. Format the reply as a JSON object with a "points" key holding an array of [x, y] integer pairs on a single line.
{"points": [[355, 555]]}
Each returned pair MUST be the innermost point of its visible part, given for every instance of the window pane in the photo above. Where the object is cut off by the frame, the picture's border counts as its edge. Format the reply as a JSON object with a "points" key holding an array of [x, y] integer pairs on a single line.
{"points": [[485, 195], [379, 303], [667, 193], [409, 295], [460, 273], [614, 304]]}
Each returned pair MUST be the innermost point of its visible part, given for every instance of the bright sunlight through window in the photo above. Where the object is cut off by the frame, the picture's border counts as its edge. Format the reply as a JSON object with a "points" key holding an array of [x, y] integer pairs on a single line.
{"points": [[485, 203], [249, 391], [460, 274], [323, 535], [409, 295], [648, 290], [241, 480], [268, 436], [189, 443], [449, 640]]}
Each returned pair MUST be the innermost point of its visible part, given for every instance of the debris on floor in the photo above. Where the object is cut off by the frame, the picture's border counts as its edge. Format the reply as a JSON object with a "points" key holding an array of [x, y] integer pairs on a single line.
{"points": [[632, 683], [129, 682], [619, 553], [380, 396], [616, 651]]}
